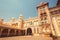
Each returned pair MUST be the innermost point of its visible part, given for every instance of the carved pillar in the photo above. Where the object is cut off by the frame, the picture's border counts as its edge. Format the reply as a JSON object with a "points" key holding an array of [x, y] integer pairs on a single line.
{"points": [[15, 32], [25, 32]]}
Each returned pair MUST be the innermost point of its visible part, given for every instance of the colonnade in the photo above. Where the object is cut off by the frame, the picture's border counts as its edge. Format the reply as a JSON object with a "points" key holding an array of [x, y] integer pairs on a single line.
{"points": [[7, 32]]}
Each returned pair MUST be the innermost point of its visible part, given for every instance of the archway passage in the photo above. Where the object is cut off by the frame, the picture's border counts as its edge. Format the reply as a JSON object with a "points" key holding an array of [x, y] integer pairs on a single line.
{"points": [[12, 32], [22, 32], [29, 31], [4, 33], [18, 33]]}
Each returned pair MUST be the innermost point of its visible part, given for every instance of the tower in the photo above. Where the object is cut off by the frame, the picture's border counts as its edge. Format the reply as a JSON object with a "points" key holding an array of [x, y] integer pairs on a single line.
{"points": [[2, 21], [12, 19], [20, 22], [12, 22], [44, 18]]}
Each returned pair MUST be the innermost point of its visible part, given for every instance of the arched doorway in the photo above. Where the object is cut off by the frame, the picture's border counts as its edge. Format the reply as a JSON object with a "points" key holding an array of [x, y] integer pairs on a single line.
{"points": [[29, 31]]}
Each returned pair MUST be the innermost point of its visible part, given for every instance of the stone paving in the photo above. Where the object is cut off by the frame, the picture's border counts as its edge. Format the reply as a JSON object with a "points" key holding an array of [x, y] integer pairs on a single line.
{"points": [[26, 38]]}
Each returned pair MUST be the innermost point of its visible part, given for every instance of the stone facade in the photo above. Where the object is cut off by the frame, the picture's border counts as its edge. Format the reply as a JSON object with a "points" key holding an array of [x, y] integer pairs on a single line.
{"points": [[47, 22]]}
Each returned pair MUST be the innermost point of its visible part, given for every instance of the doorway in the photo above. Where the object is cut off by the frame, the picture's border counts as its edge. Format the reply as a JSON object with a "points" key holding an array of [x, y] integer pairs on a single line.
{"points": [[29, 31]]}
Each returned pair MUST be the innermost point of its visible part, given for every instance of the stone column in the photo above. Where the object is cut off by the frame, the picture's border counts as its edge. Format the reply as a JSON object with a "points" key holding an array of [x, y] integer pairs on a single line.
{"points": [[8, 32], [25, 32], [18, 32], [32, 30], [15, 32], [36, 31], [1, 29]]}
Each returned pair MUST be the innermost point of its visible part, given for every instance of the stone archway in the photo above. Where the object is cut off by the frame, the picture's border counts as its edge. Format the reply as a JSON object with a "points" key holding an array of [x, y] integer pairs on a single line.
{"points": [[22, 32], [12, 32], [29, 31], [4, 33]]}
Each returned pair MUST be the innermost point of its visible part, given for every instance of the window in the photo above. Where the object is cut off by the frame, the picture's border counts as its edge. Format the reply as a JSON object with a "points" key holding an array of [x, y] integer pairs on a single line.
{"points": [[43, 14], [42, 9], [35, 23], [24, 25]]}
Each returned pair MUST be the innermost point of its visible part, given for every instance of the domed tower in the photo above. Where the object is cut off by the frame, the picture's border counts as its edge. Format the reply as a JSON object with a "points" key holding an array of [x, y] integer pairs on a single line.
{"points": [[20, 22]]}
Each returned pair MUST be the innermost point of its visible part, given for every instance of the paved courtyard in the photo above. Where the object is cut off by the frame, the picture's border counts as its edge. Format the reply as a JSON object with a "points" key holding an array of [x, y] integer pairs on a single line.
{"points": [[26, 38]]}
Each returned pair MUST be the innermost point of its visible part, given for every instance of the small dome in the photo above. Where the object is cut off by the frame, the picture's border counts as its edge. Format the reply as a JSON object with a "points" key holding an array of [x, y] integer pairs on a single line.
{"points": [[21, 16]]}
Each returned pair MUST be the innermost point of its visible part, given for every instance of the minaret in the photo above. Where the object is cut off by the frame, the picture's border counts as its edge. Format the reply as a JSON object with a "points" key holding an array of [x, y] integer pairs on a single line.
{"points": [[12, 19], [44, 17], [20, 22], [2, 21]]}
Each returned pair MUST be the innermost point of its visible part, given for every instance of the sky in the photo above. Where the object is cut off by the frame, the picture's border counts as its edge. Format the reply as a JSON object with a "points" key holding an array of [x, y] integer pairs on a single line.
{"points": [[15, 8]]}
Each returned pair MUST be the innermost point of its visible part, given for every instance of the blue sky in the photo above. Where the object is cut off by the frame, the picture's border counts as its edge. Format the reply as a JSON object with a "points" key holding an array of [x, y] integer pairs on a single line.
{"points": [[13, 8]]}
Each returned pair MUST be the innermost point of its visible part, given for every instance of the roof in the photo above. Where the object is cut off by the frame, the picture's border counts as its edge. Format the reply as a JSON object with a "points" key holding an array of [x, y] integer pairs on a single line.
{"points": [[57, 6], [58, 2], [42, 4]]}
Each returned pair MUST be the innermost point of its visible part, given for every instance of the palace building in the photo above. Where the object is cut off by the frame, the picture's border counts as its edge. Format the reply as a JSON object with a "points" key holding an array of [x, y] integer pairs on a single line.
{"points": [[46, 23]]}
